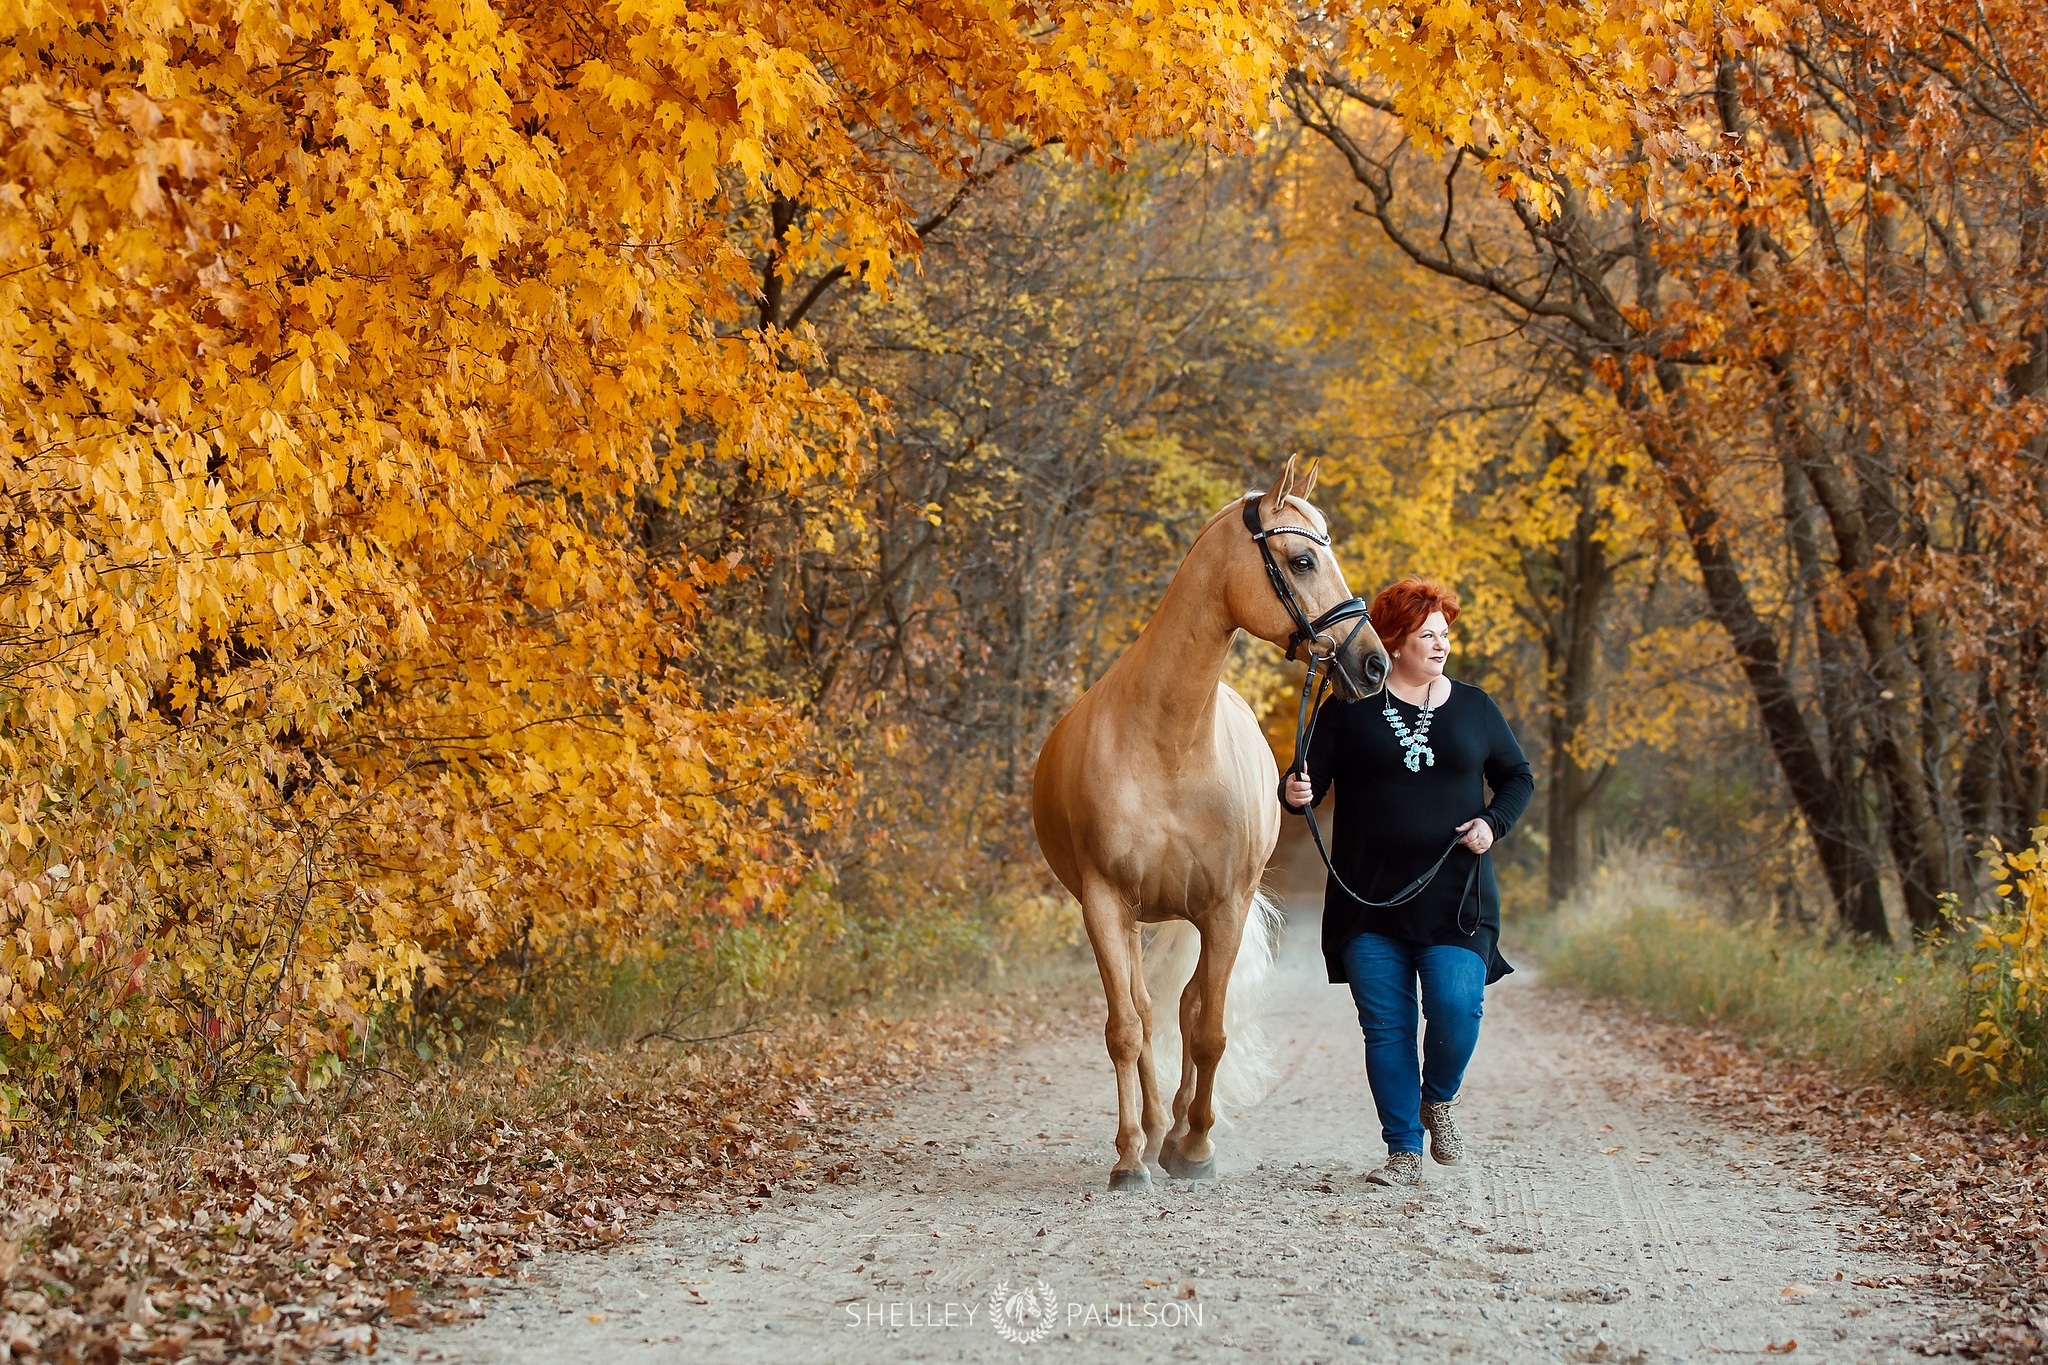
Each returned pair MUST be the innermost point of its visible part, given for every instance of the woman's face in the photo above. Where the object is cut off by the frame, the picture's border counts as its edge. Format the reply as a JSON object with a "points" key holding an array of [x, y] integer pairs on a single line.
{"points": [[1423, 653]]}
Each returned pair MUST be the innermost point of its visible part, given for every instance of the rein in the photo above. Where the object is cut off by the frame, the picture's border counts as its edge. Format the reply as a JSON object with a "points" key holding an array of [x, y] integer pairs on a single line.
{"points": [[1307, 632], [1304, 731]]}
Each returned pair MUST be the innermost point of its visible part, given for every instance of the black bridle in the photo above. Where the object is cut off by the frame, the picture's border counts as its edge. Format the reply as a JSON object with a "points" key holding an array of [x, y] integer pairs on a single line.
{"points": [[1308, 632], [1314, 691]]}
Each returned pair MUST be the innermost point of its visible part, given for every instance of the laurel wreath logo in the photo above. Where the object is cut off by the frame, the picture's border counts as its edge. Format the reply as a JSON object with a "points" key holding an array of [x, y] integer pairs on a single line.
{"points": [[1025, 1316]]}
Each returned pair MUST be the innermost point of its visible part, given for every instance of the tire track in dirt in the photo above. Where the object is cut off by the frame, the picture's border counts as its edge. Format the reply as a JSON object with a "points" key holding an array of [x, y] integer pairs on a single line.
{"points": [[1601, 1219]]}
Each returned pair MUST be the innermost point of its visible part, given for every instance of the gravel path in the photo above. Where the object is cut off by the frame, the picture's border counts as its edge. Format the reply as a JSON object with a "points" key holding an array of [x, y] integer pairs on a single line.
{"points": [[1600, 1220]]}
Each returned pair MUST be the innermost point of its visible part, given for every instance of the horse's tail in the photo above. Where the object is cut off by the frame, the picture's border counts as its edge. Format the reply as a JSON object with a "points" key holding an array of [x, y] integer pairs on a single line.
{"points": [[1246, 1070]]}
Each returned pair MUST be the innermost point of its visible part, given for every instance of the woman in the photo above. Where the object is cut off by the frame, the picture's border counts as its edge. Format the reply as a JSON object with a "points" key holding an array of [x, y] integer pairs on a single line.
{"points": [[1408, 767]]}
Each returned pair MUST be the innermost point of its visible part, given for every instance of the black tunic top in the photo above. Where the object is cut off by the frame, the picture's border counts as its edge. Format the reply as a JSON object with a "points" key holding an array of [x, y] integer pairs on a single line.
{"points": [[1391, 824]]}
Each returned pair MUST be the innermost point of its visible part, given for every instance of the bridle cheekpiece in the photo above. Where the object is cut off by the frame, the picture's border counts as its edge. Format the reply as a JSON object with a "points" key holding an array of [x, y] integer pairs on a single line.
{"points": [[1306, 631]]}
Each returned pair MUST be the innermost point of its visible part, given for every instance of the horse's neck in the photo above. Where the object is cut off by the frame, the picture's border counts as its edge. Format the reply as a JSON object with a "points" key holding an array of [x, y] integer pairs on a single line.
{"points": [[1171, 672]]}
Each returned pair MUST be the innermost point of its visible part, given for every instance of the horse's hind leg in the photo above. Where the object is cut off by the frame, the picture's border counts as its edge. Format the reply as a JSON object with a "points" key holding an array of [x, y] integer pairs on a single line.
{"points": [[1148, 1081], [1192, 1155], [1111, 933], [1190, 1006]]}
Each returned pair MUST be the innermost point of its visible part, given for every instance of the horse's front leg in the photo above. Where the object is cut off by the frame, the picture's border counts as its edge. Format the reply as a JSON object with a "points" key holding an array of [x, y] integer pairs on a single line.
{"points": [[1192, 1154], [1112, 931]]}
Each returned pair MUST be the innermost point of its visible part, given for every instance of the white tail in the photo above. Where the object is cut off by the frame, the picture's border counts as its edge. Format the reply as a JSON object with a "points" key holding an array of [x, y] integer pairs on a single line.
{"points": [[1246, 1069]]}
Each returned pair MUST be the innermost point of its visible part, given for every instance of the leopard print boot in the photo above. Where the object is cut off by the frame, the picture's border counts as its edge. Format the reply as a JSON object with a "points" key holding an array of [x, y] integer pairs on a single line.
{"points": [[1403, 1169], [1446, 1143]]}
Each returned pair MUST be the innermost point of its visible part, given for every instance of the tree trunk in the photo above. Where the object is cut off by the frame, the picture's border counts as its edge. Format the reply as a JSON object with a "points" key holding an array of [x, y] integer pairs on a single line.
{"points": [[1845, 858], [1836, 666], [1570, 583], [1914, 833]]}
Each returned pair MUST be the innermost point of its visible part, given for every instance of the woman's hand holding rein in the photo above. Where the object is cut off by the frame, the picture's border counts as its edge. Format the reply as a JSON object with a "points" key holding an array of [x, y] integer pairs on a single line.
{"points": [[1478, 834], [1301, 793]]}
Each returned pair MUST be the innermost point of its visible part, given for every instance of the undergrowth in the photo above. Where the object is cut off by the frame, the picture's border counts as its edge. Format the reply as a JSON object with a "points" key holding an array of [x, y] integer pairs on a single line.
{"points": [[713, 1072], [823, 955], [1871, 1011]]}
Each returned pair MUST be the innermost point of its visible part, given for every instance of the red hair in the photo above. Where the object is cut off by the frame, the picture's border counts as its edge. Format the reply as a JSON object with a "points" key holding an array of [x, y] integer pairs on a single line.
{"points": [[1399, 611]]}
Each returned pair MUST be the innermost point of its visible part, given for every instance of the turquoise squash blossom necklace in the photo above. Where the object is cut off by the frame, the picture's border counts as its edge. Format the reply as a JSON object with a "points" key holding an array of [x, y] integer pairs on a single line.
{"points": [[1414, 743]]}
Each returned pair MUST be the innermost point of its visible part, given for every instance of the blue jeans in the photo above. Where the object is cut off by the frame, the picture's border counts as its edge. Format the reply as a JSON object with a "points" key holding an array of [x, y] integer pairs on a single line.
{"points": [[1383, 972]]}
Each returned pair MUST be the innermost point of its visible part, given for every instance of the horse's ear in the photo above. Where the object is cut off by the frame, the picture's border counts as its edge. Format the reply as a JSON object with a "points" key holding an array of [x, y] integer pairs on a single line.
{"points": [[1282, 486], [1308, 480]]}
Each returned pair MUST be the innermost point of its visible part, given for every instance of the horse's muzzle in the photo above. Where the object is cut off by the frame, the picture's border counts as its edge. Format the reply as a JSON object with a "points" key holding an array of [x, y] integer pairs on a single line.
{"points": [[1359, 666], [1375, 671]]}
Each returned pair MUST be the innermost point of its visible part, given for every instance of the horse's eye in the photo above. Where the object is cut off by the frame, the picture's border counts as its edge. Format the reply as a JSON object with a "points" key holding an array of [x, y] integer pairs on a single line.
{"points": [[1304, 564]]}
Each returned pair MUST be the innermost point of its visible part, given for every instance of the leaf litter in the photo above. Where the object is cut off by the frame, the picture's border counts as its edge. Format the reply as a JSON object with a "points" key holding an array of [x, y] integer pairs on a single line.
{"points": [[297, 1234], [1966, 1194]]}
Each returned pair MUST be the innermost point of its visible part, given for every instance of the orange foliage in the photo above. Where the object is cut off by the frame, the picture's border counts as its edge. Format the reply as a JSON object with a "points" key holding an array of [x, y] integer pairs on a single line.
{"points": [[357, 355], [349, 346]]}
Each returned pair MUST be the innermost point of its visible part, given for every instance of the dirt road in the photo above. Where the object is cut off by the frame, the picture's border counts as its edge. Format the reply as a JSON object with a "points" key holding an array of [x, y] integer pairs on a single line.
{"points": [[1600, 1221]]}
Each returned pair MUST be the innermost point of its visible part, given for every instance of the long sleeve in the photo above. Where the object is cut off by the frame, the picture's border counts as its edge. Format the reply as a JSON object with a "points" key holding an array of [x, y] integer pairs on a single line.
{"points": [[1507, 774], [1322, 756]]}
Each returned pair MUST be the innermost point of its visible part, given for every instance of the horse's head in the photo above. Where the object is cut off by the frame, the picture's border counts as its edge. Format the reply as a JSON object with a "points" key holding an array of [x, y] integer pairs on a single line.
{"points": [[1284, 584]]}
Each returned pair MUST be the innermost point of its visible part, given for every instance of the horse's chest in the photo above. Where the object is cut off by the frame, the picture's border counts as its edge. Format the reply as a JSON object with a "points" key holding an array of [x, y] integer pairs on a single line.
{"points": [[1184, 856]]}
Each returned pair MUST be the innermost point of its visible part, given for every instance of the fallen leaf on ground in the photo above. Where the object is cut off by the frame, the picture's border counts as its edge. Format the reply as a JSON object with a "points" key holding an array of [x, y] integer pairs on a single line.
{"points": [[364, 1205], [1964, 1193]]}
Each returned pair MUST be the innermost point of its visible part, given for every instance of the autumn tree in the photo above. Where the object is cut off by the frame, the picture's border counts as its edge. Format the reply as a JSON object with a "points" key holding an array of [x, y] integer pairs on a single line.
{"points": [[1822, 328], [354, 350], [1084, 364], [467, 472]]}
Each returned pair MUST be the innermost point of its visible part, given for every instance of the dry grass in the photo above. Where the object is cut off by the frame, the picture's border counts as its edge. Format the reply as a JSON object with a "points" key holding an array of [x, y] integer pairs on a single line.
{"points": [[1872, 1012]]}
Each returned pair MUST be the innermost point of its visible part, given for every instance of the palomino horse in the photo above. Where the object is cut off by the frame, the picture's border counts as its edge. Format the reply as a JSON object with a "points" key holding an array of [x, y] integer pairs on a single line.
{"points": [[1156, 797]]}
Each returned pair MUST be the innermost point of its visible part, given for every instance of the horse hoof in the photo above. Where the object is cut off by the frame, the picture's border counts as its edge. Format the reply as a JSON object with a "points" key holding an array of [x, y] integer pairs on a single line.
{"points": [[1164, 1154], [1180, 1166], [1121, 1180]]}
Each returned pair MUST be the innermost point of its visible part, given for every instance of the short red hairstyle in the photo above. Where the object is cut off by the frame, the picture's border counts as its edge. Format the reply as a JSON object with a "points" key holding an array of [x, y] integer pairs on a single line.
{"points": [[1399, 611]]}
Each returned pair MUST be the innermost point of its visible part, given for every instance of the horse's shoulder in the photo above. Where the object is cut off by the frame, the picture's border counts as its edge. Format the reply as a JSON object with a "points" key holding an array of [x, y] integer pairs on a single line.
{"points": [[1237, 714]]}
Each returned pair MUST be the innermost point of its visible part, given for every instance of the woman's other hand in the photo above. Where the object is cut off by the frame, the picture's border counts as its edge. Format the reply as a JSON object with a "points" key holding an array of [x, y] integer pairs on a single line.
{"points": [[1478, 835], [1301, 793]]}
